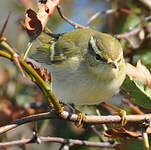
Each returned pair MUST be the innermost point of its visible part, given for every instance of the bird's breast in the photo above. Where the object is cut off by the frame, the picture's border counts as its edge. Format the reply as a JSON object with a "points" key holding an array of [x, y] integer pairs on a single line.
{"points": [[80, 87]]}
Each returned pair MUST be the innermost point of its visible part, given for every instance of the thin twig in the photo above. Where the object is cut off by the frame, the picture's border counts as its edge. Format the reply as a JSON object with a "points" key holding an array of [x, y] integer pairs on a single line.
{"points": [[127, 34], [99, 13], [100, 136], [59, 140], [107, 12], [15, 59], [75, 25], [133, 107], [4, 26]]}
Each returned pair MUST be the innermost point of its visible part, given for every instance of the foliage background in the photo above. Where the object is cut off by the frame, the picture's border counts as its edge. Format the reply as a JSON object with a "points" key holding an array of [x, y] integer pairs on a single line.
{"points": [[16, 93]]}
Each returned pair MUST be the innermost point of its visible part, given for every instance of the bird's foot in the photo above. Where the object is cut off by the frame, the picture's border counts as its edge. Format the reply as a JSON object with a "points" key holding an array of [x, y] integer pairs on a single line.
{"points": [[81, 119], [120, 112]]}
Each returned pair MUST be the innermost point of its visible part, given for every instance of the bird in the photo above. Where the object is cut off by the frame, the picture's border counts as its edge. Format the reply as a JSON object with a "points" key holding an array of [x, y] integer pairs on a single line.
{"points": [[87, 66]]}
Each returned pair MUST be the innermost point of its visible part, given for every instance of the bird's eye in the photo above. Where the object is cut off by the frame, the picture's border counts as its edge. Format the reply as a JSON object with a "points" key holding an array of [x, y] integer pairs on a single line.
{"points": [[98, 57]]}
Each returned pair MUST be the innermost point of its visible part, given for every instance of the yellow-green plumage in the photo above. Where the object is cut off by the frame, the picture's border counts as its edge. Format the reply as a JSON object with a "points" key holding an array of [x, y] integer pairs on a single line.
{"points": [[87, 66]]}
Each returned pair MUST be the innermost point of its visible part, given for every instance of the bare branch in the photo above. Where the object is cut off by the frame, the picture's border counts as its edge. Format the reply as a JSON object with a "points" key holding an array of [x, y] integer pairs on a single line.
{"points": [[100, 136], [75, 25], [4, 26], [90, 119], [59, 140], [132, 106], [127, 34]]}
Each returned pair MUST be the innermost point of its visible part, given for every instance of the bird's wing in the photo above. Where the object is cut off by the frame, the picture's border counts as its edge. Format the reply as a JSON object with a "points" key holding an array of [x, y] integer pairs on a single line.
{"points": [[56, 52], [41, 54]]}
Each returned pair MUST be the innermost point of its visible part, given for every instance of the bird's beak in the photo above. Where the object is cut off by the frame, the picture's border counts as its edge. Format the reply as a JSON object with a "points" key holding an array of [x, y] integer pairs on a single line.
{"points": [[113, 65]]}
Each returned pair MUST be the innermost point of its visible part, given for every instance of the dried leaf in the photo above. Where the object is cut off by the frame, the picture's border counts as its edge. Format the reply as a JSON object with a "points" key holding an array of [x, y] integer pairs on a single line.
{"points": [[32, 23], [44, 74], [139, 72], [121, 132], [36, 22]]}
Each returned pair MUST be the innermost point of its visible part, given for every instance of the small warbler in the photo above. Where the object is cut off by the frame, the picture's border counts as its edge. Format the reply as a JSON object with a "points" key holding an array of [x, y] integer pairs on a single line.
{"points": [[87, 66]]}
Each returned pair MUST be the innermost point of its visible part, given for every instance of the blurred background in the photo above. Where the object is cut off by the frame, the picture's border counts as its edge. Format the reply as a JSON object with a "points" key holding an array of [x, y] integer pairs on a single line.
{"points": [[20, 97]]}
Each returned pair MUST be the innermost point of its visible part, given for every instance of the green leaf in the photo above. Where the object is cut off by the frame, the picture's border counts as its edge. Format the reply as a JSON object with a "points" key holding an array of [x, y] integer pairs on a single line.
{"points": [[139, 92], [144, 56]]}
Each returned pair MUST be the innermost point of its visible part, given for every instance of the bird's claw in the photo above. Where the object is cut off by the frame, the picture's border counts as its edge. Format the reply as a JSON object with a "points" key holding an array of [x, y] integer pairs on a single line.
{"points": [[81, 119], [122, 114]]}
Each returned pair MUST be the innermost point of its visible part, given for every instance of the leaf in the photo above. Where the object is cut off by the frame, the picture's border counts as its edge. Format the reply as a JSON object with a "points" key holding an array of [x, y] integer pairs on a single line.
{"points": [[44, 74], [137, 84], [144, 55], [32, 23], [139, 72], [35, 22], [120, 132]]}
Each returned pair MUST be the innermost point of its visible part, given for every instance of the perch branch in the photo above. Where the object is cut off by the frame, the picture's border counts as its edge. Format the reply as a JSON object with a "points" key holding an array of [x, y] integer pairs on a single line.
{"points": [[64, 115]]}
